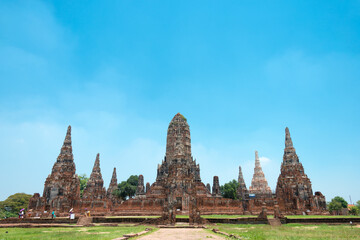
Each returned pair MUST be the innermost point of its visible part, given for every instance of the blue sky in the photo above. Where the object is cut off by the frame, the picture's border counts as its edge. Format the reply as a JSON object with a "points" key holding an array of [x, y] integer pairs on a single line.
{"points": [[239, 71]]}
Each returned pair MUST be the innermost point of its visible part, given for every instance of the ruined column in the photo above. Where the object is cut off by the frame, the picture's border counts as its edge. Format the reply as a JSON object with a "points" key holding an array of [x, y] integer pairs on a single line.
{"points": [[147, 187], [208, 187], [216, 187], [140, 190]]}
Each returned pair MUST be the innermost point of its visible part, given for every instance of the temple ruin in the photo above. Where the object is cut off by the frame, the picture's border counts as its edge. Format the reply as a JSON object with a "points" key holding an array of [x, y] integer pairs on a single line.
{"points": [[259, 185], [178, 188], [293, 190]]}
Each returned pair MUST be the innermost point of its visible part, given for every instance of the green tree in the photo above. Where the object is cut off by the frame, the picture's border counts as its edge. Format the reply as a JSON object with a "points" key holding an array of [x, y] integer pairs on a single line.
{"points": [[228, 190], [127, 189], [337, 203], [334, 206], [341, 200], [357, 204], [13, 204], [83, 182], [354, 210]]}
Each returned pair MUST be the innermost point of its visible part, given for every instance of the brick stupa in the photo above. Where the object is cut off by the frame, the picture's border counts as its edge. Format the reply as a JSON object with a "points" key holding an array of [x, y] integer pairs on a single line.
{"points": [[293, 190], [94, 189], [259, 185], [62, 186], [140, 189], [112, 186], [178, 167], [242, 192], [216, 187]]}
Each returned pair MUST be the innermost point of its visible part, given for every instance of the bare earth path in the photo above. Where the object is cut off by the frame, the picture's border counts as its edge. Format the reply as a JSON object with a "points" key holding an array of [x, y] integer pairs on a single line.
{"points": [[181, 234]]}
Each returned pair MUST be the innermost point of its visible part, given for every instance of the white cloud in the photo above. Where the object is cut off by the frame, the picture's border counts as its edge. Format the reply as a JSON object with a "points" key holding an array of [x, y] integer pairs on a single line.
{"points": [[264, 160]]}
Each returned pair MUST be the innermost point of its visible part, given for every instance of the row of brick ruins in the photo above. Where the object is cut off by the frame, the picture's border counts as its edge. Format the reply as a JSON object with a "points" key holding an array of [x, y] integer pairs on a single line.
{"points": [[178, 188]]}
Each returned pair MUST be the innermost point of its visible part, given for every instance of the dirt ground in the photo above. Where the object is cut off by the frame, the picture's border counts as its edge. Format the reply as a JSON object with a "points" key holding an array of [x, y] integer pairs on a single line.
{"points": [[181, 234]]}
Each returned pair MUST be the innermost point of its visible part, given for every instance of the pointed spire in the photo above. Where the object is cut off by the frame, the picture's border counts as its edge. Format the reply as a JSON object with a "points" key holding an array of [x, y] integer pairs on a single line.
{"points": [[94, 188], [113, 184], [242, 191], [96, 167], [257, 160], [67, 140], [63, 181], [259, 184], [114, 175], [66, 149], [241, 178], [293, 188], [113, 180], [290, 156], [288, 141]]}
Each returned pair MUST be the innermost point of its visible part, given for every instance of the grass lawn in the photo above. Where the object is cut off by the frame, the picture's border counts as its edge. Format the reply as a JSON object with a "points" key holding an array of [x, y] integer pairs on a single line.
{"points": [[132, 216], [97, 232], [227, 216], [290, 231], [269, 216], [320, 216], [218, 216]]}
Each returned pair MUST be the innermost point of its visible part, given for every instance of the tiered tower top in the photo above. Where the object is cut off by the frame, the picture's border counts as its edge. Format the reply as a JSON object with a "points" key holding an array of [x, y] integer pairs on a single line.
{"points": [[241, 181], [259, 184], [94, 187], [65, 160], [178, 142], [290, 156]]}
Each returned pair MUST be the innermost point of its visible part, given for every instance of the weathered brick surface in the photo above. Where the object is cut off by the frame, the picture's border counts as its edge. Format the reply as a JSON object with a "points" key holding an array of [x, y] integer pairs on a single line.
{"points": [[112, 187], [293, 190], [259, 185], [62, 186], [94, 189], [216, 187], [242, 192], [140, 190]]}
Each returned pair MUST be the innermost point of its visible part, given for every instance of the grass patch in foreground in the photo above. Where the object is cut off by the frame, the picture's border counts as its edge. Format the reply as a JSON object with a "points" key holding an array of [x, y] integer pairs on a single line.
{"points": [[228, 216], [132, 216], [291, 231], [322, 216], [218, 216], [98, 232]]}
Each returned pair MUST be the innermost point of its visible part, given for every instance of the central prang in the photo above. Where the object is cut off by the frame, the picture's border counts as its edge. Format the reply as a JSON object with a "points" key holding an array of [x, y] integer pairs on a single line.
{"points": [[178, 142], [178, 163]]}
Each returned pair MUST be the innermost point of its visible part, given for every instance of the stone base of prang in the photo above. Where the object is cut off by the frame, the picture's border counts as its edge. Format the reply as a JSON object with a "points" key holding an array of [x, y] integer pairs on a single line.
{"points": [[149, 206]]}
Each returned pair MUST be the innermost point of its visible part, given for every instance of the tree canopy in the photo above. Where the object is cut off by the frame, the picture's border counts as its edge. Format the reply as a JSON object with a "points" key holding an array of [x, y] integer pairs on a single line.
{"points": [[83, 181], [337, 203], [357, 204], [127, 189], [13, 204], [341, 200], [354, 210], [228, 190]]}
